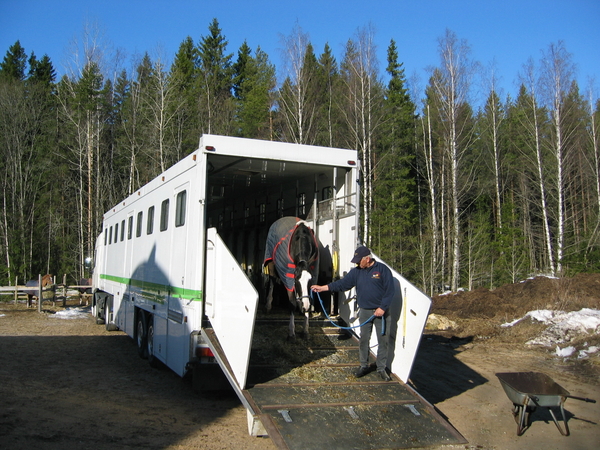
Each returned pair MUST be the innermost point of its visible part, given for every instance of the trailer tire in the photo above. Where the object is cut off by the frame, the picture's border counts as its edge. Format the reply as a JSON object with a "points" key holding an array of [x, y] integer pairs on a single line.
{"points": [[152, 360], [108, 305], [142, 334], [98, 310]]}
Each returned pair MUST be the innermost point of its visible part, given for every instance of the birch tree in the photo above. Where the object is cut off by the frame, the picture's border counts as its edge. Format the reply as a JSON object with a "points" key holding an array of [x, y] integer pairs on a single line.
{"points": [[362, 110], [162, 106], [556, 77], [452, 86], [593, 133], [494, 117], [22, 176], [81, 108], [295, 102]]}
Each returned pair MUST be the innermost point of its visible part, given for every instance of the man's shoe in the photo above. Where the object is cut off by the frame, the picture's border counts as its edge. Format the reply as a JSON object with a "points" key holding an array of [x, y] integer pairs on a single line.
{"points": [[362, 371], [384, 375]]}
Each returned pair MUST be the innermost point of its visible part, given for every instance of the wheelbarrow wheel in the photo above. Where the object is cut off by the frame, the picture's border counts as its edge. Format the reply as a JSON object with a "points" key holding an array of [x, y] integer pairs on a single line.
{"points": [[522, 415]]}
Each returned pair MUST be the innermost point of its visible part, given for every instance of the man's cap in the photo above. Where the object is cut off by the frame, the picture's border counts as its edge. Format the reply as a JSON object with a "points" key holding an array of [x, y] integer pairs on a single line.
{"points": [[359, 254]]}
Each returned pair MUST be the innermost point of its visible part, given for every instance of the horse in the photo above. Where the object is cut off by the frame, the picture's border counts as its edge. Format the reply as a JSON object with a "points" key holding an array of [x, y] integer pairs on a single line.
{"points": [[34, 286], [292, 257]]}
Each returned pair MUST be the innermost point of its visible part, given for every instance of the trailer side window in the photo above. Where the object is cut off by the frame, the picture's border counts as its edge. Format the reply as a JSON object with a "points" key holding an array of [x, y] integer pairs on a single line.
{"points": [[164, 215], [105, 236], [110, 236], [180, 209], [123, 230], [116, 232], [130, 227], [150, 222], [138, 225]]}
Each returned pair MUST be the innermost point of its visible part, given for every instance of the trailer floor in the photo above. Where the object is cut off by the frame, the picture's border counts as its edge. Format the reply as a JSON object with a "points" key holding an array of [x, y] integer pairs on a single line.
{"points": [[306, 396]]}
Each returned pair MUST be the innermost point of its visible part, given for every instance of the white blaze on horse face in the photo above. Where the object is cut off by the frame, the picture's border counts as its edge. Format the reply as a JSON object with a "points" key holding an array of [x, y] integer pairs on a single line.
{"points": [[303, 282]]}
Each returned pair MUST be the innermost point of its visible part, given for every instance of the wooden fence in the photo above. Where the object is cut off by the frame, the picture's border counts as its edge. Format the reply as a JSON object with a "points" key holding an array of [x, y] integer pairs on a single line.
{"points": [[50, 292]]}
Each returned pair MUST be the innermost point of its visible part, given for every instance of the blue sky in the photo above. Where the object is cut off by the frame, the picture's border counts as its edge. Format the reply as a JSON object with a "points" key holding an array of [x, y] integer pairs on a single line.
{"points": [[508, 32]]}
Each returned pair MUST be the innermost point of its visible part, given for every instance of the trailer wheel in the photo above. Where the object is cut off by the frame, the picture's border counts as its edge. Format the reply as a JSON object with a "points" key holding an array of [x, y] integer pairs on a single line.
{"points": [[142, 334], [108, 306], [98, 310], [152, 360]]}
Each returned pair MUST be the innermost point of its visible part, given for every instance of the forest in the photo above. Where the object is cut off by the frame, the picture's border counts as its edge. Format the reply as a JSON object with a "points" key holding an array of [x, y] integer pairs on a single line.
{"points": [[453, 194]]}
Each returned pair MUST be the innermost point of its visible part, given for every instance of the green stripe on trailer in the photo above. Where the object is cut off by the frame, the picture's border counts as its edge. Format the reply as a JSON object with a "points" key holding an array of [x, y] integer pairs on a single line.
{"points": [[152, 290]]}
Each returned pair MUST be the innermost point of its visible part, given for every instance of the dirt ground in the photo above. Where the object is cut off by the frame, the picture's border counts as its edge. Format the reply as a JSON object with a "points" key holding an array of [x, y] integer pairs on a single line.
{"points": [[68, 384]]}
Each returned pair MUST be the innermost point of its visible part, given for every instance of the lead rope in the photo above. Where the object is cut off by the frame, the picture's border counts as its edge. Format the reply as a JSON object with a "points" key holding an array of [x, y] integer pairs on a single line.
{"points": [[355, 326]]}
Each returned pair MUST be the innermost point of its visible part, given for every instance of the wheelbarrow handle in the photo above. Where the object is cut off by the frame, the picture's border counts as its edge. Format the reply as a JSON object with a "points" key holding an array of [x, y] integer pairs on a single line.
{"points": [[584, 399]]}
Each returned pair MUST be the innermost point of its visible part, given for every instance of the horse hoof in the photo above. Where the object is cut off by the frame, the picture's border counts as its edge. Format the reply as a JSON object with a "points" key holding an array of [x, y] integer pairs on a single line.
{"points": [[291, 338]]}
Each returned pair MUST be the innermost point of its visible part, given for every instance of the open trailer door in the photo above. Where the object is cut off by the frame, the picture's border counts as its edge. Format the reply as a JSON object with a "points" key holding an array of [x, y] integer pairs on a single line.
{"points": [[230, 305]]}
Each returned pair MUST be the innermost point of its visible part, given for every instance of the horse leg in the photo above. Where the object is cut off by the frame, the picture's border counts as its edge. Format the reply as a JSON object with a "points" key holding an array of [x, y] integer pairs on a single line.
{"points": [[304, 302], [271, 281], [306, 321], [270, 294], [292, 326]]}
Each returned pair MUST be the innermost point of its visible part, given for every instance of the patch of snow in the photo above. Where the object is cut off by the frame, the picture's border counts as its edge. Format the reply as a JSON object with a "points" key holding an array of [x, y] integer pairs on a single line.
{"points": [[541, 315], [565, 352], [73, 313], [585, 353], [562, 328]]}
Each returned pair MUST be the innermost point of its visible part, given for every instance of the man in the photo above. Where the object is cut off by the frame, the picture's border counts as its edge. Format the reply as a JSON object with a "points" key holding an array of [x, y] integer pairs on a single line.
{"points": [[374, 292]]}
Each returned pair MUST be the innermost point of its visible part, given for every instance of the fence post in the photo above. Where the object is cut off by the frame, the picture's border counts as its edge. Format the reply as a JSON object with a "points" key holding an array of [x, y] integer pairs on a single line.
{"points": [[16, 291], [40, 293], [64, 290]]}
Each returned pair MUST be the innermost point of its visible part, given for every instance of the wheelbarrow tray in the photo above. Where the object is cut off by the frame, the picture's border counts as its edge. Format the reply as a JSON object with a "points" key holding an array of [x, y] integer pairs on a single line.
{"points": [[528, 390], [522, 388]]}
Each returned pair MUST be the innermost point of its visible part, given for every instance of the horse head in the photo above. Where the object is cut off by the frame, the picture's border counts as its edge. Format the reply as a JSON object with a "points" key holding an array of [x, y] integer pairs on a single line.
{"points": [[303, 281], [304, 252]]}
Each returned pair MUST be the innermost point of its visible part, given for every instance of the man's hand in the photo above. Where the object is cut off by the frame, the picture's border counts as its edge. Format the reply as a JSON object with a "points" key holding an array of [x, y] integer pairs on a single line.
{"points": [[379, 312], [317, 288]]}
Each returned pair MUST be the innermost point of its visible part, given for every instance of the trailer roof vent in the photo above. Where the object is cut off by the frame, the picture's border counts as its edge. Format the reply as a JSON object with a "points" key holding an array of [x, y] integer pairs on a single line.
{"points": [[210, 148]]}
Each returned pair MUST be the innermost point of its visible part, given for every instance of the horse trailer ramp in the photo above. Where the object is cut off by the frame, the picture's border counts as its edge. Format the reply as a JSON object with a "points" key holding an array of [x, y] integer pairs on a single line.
{"points": [[306, 396]]}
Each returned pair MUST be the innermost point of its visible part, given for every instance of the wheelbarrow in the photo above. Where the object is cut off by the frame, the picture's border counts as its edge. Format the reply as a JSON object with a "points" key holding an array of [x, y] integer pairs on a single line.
{"points": [[531, 390]]}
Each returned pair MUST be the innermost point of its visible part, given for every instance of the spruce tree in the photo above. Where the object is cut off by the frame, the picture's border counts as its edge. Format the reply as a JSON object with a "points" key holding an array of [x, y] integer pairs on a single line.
{"points": [[14, 63], [254, 80], [394, 187], [215, 82], [328, 77]]}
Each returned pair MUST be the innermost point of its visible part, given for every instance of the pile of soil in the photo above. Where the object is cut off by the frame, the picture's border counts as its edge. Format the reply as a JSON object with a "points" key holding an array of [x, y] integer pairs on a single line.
{"points": [[514, 300], [479, 314]]}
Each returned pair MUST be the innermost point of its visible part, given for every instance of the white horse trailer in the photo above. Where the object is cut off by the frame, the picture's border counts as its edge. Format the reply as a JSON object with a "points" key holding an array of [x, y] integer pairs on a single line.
{"points": [[178, 264]]}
